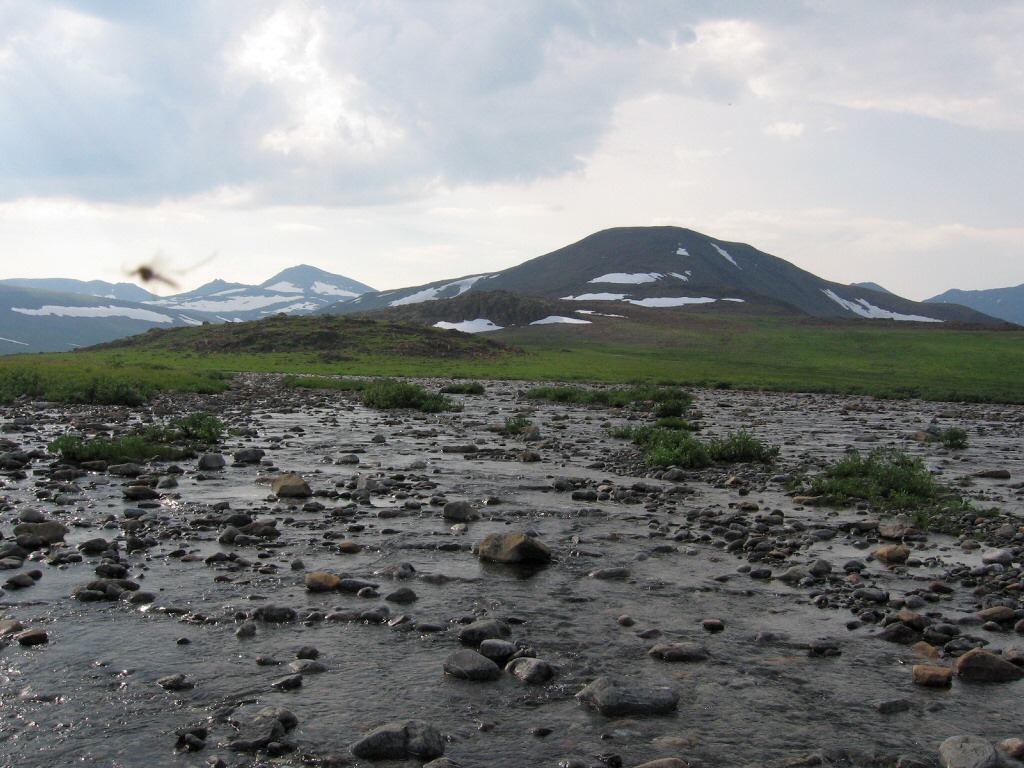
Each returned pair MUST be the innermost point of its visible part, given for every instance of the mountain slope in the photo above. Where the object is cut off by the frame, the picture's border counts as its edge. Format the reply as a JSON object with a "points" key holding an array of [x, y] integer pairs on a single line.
{"points": [[673, 267], [1004, 303], [48, 321], [101, 288], [297, 290]]}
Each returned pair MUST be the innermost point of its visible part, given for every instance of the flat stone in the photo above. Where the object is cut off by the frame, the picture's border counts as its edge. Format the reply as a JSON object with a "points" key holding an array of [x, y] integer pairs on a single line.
{"points": [[932, 676], [514, 548], [470, 665], [679, 652], [967, 752], [614, 697]]}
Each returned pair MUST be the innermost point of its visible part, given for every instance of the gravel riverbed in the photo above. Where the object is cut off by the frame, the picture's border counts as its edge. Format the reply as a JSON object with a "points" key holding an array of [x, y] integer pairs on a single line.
{"points": [[338, 586]]}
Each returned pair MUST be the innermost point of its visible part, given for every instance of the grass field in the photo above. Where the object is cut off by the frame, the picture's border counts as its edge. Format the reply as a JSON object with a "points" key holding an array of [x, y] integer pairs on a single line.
{"points": [[772, 353]]}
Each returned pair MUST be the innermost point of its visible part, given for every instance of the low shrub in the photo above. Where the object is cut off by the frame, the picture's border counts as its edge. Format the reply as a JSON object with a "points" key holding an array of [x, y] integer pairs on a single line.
{"points": [[953, 438], [887, 478], [389, 394], [516, 424], [129, 448], [463, 388], [617, 397], [673, 447]]}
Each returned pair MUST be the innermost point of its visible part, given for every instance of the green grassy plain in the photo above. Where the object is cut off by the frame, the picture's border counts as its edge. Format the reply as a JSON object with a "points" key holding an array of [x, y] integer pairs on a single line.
{"points": [[885, 359]]}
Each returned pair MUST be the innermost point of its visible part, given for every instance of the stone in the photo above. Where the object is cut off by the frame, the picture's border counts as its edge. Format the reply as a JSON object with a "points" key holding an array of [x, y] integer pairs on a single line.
{"points": [[460, 512], [32, 637], [664, 762], [980, 666], [413, 739], [248, 455], [210, 461], [679, 652], [498, 651], [402, 596], [931, 676], [291, 486], [967, 752], [530, 671], [1000, 614], [892, 554], [321, 581], [484, 629], [514, 548], [140, 493], [175, 683], [275, 614], [615, 697], [50, 532], [470, 665]]}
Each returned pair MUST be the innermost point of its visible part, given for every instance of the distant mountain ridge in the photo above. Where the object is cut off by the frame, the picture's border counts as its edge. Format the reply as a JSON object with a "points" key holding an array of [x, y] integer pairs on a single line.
{"points": [[1004, 303], [58, 314], [671, 267]]}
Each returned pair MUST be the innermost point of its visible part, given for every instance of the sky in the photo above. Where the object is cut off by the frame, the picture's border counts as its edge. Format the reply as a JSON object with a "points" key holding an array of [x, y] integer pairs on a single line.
{"points": [[398, 143]]}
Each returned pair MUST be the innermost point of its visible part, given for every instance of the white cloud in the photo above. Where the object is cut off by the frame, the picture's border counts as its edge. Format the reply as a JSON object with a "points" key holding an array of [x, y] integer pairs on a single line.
{"points": [[785, 130]]}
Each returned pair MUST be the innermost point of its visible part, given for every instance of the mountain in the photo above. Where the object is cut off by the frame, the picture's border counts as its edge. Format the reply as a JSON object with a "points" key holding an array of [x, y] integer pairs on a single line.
{"points": [[296, 291], [668, 267], [101, 288], [33, 320], [872, 286], [1004, 303], [55, 315]]}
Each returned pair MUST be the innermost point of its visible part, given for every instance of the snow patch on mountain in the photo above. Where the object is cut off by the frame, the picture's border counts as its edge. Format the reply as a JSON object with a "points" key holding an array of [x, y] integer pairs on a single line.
{"points": [[430, 294], [554, 319], [480, 325], [326, 289], [12, 341], [596, 297], [628, 278], [682, 252], [672, 301], [685, 277], [865, 309], [725, 255], [110, 311], [234, 303], [284, 287]]}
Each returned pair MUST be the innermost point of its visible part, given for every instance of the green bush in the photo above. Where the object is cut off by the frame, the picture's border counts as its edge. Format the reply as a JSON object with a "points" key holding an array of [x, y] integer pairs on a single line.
{"points": [[616, 398], [516, 424], [672, 447], [195, 427], [463, 388], [953, 438], [389, 394], [102, 391], [887, 478], [325, 382], [128, 448], [15, 383]]}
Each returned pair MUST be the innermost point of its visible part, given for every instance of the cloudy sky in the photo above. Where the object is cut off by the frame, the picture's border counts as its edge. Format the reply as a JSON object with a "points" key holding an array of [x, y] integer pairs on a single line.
{"points": [[402, 142]]}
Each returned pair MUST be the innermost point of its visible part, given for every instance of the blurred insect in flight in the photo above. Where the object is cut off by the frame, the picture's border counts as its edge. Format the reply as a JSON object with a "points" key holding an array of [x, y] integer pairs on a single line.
{"points": [[153, 272]]}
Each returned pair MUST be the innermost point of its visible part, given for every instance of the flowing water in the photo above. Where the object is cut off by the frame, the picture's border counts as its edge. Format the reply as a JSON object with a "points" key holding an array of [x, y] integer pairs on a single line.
{"points": [[89, 696]]}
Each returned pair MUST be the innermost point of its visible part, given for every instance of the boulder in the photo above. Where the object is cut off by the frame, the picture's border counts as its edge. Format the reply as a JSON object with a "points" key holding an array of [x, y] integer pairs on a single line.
{"points": [[514, 548], [321, 581], [615, 697], [291, 486], [470, 665], [967, 752], [980, 666], [413, 739]]}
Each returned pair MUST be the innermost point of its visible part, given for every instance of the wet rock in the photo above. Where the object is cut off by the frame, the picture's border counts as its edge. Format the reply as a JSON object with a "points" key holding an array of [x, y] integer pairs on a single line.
{"points": [[248, 455], [980, 666], [402, 596], [664, 762], [51, 532], [413, 739], [32, 637], [514, 548], [275, 614], [967, 752], [211, 461], [140, 493], [931, 676], [892, 554], [291, 486], [530, 671], [484, 629], [175, 683], [615, 697], [498, 651], [470, 665], [1012, 747], [679, 652], [268, 726], [287, 683], [460, 512]]}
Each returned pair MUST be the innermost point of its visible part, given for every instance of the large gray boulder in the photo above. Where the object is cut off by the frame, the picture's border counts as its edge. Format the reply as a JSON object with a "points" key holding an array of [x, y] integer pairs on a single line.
{"points": [[614, 697], [413, 739]]}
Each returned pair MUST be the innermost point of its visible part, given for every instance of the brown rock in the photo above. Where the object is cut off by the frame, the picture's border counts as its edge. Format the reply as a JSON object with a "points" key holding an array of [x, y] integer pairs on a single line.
{"points": [[931, 676], [978, 666], [33, 637], [892, 554], [514, 548], [927, 650], [350, 548], [321, 581], [1000, 614], [1012, 747], [291, 486]]}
